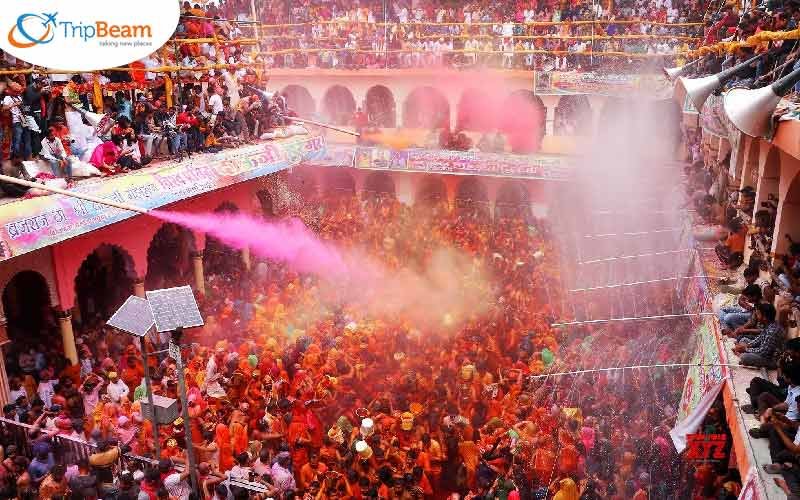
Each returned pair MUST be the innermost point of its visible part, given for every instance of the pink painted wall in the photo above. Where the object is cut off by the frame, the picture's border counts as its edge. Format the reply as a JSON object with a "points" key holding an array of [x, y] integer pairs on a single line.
{"points": [[134, 236]]}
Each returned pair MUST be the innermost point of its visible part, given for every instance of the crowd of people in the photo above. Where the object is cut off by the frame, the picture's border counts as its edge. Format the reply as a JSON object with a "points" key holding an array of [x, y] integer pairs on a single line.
{"points": [[758, 306], [474, 34], [313, 396]]}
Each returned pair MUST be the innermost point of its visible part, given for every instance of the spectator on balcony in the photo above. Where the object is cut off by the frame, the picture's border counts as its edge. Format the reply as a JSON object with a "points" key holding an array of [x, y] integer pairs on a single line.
{"points": [[105, 155], [761, 351], [731, 318], [731, 251], [780, 421], [54, 152]]}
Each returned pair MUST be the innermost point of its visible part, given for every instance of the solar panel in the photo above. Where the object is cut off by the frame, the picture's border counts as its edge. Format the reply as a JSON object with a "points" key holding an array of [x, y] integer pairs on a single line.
{"points": [[173, 308], [133, 317]]}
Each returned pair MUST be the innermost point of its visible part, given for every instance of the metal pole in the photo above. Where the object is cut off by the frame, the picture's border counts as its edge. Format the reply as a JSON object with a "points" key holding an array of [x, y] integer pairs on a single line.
{"points": [[148, 387], [617, 285], [638, 233], [175, 350], [323, 125], [623, 257], [611, 320], [87, 197]]}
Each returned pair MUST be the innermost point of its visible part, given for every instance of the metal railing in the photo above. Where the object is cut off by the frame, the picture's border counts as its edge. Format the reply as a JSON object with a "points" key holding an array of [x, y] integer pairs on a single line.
{"points": [[69, 450]]}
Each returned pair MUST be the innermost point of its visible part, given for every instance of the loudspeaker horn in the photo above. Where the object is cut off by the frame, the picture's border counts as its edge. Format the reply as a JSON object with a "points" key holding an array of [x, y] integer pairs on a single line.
{"points": [[698, 89], [751, 110], [673, 73], [264, 93], [93, 118]]}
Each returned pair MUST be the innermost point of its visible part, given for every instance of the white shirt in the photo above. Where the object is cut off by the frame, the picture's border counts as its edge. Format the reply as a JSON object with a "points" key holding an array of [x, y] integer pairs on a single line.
{"points": [[177, 487], [16, 111], [792, 394], [13, 395], [215, 104], [52, 150], [117, 390], [150, 62], [45, 390]]}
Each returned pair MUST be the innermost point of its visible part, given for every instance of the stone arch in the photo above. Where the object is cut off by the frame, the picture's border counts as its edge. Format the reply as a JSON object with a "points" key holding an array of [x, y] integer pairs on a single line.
{"points": [[381, 107], [338, 105], [299, 99], [219, 258], [513, 200], [788, 218], [472, 195], [431, 191], [104, 281], [379, 184], [523, 121], [28, 307], [573, 116], [477, 111], [339, 181], [169, 257], [426, 108]]}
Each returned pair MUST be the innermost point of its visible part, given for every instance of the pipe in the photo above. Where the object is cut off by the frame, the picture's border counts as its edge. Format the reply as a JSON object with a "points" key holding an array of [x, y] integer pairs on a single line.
{"points": [[323, 125], [640, 318], [86, 197]]}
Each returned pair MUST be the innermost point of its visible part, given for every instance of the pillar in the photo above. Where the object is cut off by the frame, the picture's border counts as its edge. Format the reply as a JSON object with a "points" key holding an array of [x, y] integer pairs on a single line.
{"points": [[405, 186], [138, 288], [199, 277], [246, 257], [4, 389], [67, 335], [549, 119]]}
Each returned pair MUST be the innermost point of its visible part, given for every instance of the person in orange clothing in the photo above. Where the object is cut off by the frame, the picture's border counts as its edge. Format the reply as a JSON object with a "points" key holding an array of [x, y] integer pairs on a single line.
{"points": [[470, 455], [238, 429], [133, 372], [314, 470], [223, 440], [544, 460]]}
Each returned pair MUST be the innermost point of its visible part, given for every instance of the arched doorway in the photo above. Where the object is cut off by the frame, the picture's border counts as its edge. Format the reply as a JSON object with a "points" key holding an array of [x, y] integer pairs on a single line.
{"points": [[219, 258], [104, 281], [472, 197], [477, 111], [432, 191], [523, 121], [339, 182], [573, 116], [338, 105], [265, 201], [169, 257], [379, 185], [26, 302], [426, 108], [381, 107], [789, 223], [299, 99], [513, 200]]}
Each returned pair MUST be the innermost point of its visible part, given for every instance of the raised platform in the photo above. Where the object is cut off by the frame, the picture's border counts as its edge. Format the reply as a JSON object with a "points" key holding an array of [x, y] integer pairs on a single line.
{"points": [[28, 224], [751, 454]]}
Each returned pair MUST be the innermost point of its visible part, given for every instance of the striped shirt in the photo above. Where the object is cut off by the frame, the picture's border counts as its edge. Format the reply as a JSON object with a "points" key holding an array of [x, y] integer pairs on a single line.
{"points": [[768, 342]]}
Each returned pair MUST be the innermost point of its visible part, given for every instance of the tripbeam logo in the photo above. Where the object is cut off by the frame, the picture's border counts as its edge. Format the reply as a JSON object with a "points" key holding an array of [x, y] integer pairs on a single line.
{"points": [[87, 35], [33, 29]]}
